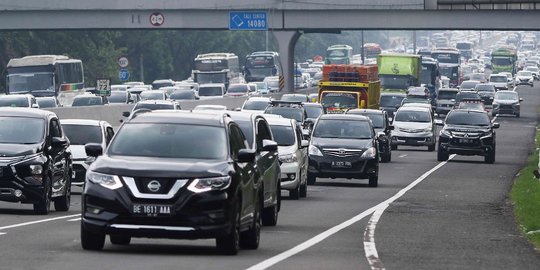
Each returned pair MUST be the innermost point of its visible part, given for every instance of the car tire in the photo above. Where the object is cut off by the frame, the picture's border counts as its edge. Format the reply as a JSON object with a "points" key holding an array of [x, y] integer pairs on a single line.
{"points": [[250, 239], [393, 147], [311, 179], [229, 244], [431, 148], [490, 158], [387, 157], [63, 203], [374, 180], [442, 155], [121, 240], [303, 190], [91, 240], [295, 193], [43, 206], [517, 115]]}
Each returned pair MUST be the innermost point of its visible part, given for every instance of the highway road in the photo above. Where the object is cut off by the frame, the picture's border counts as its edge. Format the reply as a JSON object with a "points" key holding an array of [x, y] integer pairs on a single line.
{"points": [[428, 215]]}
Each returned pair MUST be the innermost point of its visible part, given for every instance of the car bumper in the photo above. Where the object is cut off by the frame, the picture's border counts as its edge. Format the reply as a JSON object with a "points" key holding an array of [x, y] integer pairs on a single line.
{"points": [[321, 166], [194, 216], [16, 189], [290, 175], [413, 139], [477, 146], [506, 109]]}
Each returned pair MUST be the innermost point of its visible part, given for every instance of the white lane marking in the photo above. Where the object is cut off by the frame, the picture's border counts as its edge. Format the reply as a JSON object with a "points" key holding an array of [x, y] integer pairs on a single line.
{"points": [[369, 234], [37, 221], [320, 237], [402, 156], [75, 219], [2, 233]]}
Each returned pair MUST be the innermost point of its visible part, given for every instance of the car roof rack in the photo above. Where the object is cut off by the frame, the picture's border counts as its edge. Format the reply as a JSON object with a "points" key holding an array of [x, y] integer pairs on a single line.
{"points": [[283, 103]]}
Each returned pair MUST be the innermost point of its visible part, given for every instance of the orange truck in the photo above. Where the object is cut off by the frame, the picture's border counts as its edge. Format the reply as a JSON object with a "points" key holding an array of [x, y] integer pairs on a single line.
{"points": [[345, 87]]}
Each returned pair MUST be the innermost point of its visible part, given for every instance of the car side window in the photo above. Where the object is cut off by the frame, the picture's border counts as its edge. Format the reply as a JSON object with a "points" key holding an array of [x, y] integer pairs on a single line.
{"points": [[55, 130], [263, 133], [109, 135], [236, 140]]}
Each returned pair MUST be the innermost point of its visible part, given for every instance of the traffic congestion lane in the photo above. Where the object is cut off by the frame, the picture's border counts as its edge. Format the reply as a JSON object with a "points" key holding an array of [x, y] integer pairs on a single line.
{"points": [[329, 203], [461, 217]]}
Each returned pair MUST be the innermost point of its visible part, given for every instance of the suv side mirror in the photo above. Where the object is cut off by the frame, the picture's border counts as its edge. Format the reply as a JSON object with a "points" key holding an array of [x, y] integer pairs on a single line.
{"points": [[93, 149], [520, 99], [304, 144], [496, 125], [246, 155], [268, 145]]}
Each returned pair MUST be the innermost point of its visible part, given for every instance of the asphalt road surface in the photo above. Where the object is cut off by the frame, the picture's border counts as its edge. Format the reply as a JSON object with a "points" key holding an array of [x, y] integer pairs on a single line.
{"points": [[428, 215]]}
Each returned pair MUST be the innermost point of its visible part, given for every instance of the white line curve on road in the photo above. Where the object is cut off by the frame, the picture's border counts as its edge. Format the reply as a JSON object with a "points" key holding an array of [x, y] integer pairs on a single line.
{"points": [[322, 236], [370, 248], [37, 221]]}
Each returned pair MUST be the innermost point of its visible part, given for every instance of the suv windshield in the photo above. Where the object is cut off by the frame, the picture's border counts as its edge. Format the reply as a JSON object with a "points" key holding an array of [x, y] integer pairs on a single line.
{"points": [[153, 106], [21, 130], [447, 94], [377, 119], [287, 112], [283, 135], [313, 111], [210, 91], [467, 118], [82, 134], [506, 96], [391, 101], [87, 101], [498, 79], [118, 97], [170, 141], [345, 129], [152, 95], [257, 105], [7, 101], [412, 116]]}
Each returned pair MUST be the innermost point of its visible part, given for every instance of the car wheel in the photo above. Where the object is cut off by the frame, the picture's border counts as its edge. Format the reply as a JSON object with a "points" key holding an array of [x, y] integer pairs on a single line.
{"points": [[386, 157], [120, 239], [270, 214], [230, 244], [311, 179], [43, 206], [490, 158], [442, 155], [295, 193], [303, 190], [62, 203], [250, 239], [517, 115], [431, 148], [91, 240], [374, 180], [393, 147]]}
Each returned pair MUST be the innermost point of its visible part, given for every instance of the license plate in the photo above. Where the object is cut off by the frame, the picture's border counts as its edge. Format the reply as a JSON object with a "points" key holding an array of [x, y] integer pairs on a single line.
{"points": [[465, 140], [151, 210], [341, 164]]}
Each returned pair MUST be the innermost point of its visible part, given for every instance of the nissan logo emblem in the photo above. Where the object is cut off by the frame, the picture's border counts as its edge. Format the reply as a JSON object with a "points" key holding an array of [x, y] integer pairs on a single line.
{"points": [[154, 186]]}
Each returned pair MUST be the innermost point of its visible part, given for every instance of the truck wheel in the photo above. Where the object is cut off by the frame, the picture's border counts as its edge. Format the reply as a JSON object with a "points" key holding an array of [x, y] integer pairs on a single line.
{"points": [[91, 240]]}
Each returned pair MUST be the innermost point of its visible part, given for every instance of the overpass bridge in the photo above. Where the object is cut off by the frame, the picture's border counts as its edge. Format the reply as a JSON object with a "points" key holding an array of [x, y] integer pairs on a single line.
{"points": [[286, 19]]}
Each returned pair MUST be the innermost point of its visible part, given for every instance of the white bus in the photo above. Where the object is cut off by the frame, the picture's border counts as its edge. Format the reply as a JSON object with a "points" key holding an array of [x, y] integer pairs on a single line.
{"points": [[44, 75], [216, 68]]}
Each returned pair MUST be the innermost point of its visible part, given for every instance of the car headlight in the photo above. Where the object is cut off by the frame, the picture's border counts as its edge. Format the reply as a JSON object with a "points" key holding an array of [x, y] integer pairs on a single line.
{"points": [[314, 151], [36, 169], [207, 184], [288, 158], [427, 130], [370, 153], [486, 134], [111, 182], [446, 133]]}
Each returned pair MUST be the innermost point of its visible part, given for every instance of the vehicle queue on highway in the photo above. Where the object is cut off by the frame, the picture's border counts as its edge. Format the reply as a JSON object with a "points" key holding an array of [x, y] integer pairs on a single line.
{"points": [[218, 172]]}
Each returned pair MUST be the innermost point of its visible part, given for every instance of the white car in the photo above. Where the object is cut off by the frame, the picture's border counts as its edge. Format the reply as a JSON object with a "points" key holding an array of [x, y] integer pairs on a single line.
{"points": [[206, 107], [211, 90], [273, 83], [262, 88], [534, 70], [414, 126], [256, 104], [500, 81], [80, 132], [525, 77], [153, 95], [292, 155], [20, 100]]}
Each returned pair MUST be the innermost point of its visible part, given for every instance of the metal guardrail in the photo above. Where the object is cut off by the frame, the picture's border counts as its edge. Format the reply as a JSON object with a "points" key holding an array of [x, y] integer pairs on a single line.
{"points": [[488, 4]]}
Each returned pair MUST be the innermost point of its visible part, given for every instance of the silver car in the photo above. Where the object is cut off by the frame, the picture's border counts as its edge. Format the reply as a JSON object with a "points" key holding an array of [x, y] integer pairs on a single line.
{"points": [[506, 102], [413, 126]]}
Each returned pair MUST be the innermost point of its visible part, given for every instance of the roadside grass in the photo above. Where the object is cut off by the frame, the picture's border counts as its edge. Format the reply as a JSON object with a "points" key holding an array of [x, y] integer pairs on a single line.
{"points": [[525, 197]]}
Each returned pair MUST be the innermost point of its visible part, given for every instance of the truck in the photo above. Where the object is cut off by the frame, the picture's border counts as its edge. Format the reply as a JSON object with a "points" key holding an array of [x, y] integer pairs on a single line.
{"points": [[398, 72], [345, 87], [504, 59]]}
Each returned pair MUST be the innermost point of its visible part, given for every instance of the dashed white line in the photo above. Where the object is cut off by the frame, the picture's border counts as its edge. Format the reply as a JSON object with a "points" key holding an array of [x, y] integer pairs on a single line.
{"points": [[402, 156], [37, 222], [322, 236], [2, 233], [369, 234]]}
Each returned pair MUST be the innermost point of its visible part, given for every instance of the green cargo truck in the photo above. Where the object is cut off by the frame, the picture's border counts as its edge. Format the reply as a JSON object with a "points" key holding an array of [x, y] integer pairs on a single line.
{"points": [[398, 72], [504, 60]]}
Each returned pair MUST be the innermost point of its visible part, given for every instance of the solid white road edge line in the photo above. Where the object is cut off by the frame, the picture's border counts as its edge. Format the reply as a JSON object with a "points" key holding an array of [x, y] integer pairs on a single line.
{"points": [[37, 221], [320, 237], [2, 233], [369, 234], [75, 219]]}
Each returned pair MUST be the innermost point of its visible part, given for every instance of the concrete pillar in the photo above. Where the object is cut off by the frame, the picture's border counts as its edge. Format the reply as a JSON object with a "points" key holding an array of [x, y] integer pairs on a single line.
{"points": [[286, 42]]}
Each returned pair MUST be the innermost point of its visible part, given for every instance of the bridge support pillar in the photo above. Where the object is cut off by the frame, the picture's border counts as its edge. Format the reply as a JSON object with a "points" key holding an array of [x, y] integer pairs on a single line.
{"points": [[286, 42]]}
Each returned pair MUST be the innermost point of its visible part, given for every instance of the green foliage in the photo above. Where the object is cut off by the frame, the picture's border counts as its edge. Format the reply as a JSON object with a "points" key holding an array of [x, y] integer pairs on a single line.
{"points": [[525, 196]]}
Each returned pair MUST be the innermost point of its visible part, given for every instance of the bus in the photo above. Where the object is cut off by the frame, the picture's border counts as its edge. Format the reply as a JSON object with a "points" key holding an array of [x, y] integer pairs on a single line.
{"points": [[44, 75], [216, 68], [260, 65], [466, 49], [338, 54], [371, 50]]}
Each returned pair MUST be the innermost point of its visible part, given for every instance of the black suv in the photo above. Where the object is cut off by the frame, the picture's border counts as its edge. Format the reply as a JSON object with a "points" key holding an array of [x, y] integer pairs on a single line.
{"points": [[259, 137], [170, 174], [344, 145], [381, 124], [35, 161], [467, 133]]}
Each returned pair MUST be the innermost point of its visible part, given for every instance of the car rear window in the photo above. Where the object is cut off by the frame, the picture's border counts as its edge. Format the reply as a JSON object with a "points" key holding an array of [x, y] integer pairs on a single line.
{"points": [[82, 134]]}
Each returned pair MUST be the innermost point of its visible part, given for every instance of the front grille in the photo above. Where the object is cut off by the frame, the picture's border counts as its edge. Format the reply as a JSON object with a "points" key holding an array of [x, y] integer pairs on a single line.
{"points": [[342, 152], [154, 185], [469, 143]]}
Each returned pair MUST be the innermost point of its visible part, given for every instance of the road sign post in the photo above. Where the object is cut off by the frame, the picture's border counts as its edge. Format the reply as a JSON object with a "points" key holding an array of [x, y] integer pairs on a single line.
{"points": [[123, 74], [248, 20], [103, 87]]}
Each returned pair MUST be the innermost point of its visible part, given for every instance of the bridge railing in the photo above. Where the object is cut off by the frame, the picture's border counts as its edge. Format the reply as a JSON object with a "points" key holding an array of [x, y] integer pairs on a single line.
{"points": [[487, 4]]}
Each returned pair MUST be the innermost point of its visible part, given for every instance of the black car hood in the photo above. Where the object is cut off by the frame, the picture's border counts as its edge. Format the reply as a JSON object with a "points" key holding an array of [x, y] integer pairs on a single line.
{"points": [[160, 167], [15, 150], [463, 128], [342, 143]]}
